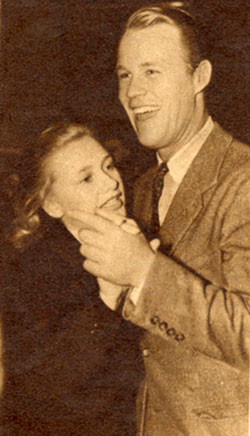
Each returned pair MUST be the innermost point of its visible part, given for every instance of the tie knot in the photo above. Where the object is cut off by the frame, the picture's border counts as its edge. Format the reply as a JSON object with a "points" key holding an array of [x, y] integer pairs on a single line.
{"points": [[157, 190], [162, 169], [160, 174]]}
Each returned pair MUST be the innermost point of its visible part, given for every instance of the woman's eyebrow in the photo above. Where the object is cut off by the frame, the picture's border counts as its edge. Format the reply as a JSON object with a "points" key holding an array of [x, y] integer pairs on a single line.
{"points": [[108, 156], [84, 169]]}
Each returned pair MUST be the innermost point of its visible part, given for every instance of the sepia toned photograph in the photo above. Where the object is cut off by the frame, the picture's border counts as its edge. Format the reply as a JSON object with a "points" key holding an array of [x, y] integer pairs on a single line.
{"points": [[125, 218]]}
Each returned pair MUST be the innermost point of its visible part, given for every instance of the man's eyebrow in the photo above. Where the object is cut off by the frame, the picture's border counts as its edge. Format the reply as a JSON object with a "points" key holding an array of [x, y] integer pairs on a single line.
{"points": [[148, 64], [144, 64], [119, 67]]}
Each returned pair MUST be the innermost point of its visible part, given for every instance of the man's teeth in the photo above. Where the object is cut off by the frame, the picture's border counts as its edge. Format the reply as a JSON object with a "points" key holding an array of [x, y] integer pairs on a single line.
{"points": [[143, 110]]}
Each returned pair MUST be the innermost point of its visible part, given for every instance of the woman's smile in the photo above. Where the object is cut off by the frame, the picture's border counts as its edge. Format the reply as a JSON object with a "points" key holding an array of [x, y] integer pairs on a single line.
{"points": [[115, 202]]}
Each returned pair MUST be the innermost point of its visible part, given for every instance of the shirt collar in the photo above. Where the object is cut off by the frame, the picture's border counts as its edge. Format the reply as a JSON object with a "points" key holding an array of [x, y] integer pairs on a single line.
{"points": [[181, 161]]}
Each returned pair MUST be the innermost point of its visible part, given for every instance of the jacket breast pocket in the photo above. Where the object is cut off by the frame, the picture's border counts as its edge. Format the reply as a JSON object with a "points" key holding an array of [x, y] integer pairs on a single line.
{"points": [[221, 412], [227, 420]]}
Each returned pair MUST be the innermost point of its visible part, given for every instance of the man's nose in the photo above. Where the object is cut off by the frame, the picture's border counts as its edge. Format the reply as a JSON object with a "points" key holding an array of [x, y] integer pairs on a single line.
{"points": [[135, 87]]}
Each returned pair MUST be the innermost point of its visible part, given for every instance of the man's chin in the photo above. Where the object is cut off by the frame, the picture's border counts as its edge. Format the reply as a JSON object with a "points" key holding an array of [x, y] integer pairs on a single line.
{"points": [[147, 142], [146, 138]]}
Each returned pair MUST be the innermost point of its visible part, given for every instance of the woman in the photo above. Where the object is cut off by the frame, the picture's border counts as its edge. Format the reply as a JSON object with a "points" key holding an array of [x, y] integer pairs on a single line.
{"points": [[69, 361]]}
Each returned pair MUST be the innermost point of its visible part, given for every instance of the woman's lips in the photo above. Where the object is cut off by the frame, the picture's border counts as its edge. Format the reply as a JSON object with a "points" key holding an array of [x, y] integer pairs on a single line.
{"points": [[113, 203]]}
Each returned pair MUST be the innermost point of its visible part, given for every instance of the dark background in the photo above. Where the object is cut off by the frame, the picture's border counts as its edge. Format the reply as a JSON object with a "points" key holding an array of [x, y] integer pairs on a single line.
{"points": [[58, 61]]}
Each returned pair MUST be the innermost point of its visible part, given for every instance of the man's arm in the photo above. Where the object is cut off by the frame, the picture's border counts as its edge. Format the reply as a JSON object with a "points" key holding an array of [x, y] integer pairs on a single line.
{"points": [[211, 315], [176, 303], [184, 308]]}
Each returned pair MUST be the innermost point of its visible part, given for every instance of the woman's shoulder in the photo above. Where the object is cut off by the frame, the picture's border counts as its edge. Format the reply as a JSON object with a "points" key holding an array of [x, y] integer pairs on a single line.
{"points": [[51, 252], [49, 274]]}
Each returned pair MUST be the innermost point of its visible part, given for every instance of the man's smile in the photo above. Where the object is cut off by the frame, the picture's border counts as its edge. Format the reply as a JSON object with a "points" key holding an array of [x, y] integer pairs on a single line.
{"points": [[144, 113]]}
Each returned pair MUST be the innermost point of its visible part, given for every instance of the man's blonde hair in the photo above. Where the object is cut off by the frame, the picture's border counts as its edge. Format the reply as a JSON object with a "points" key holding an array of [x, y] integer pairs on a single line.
{"points": [[171, 13]]}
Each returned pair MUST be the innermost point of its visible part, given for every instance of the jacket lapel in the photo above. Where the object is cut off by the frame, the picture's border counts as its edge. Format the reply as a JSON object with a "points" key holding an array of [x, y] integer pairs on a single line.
{"points": [[195, 189], [143, 199]]}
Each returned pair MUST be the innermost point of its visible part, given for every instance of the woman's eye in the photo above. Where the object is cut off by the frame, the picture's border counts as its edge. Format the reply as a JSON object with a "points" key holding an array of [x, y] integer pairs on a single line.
{"points": [[86, 179], [111, 166]]}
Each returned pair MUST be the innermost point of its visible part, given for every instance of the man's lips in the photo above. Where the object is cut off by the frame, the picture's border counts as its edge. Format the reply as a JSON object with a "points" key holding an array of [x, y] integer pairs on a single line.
{"points": [[145, 112], [113, 201]]}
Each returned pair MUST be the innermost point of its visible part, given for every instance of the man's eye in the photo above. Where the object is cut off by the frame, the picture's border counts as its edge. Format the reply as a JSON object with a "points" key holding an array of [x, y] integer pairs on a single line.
{"points": [[150, 72], [122, 76]]}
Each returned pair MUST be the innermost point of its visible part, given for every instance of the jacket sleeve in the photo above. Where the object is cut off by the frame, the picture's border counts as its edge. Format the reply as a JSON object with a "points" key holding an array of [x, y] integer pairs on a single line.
{"points": [[211, 316]]}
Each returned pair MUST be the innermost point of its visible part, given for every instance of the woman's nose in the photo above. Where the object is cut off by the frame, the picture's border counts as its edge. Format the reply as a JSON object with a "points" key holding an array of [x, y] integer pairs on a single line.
{"points": [[110, 182]]}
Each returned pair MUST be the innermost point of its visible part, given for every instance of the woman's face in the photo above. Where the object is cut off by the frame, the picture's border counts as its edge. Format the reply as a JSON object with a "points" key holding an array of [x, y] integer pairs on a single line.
{"points": [[84, 178]]}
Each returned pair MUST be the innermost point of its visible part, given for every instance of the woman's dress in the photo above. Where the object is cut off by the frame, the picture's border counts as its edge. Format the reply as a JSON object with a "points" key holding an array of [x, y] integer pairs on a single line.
{"points": [[71, 365]]}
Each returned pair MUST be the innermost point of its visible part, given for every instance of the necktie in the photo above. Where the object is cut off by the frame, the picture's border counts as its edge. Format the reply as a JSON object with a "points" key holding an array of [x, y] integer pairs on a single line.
{"points": [[156, 194]]}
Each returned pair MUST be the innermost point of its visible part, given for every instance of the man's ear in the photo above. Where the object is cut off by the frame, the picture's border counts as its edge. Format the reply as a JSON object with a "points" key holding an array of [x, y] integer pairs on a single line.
{"points": [[202, 76], [52, 207]]}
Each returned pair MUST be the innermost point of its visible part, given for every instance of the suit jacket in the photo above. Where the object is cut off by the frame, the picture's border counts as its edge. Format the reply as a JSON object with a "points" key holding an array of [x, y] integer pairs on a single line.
{"points": [[195, 302]]}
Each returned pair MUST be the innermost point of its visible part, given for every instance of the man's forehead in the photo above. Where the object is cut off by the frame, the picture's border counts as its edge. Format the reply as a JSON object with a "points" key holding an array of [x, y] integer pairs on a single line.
{"points": [[152, 40], [154, 32]]}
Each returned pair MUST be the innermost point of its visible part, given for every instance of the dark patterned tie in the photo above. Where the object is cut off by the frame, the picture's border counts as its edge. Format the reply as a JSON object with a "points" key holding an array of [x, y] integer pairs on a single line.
{"points": [[156, 194]]}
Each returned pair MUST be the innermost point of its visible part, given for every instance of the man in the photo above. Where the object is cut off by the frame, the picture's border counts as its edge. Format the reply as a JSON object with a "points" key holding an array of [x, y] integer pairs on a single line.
{"points": [[192, 295]]}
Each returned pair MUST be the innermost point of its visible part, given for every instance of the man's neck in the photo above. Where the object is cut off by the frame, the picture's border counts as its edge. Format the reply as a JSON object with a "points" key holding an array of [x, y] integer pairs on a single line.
{"points": [[170, 150]]}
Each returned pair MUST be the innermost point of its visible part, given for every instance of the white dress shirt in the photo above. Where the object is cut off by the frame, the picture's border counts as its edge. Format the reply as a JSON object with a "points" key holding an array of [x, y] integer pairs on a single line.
{"points": [[178, 166]]}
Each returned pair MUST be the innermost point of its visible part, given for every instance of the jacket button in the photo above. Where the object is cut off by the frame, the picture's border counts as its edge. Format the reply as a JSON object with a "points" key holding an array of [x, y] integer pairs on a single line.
{"points": [[179, 337], [145, 352], [155, 320]]}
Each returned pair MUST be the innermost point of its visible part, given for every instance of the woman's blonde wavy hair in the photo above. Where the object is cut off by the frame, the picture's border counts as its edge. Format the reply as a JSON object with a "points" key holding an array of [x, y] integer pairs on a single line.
{"points": [[35, 183]]}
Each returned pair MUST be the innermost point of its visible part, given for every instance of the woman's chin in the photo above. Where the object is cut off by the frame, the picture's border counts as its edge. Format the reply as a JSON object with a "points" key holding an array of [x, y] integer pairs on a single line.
{"points": [[122, 210]]}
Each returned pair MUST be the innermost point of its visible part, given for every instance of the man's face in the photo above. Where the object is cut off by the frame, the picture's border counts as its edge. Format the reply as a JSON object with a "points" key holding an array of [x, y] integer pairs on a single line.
{"points": [[156, 86]]}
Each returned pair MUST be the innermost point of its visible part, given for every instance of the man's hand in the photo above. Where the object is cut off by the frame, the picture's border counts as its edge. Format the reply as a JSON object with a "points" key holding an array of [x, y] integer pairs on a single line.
{"points": [[111, 252], [110, 293]]}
